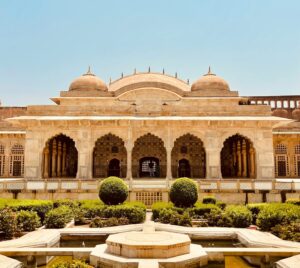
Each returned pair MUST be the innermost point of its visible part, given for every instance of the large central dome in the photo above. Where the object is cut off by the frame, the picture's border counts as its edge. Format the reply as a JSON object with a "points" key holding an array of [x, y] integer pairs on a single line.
{"points": [[88, 82], [210, 81]]}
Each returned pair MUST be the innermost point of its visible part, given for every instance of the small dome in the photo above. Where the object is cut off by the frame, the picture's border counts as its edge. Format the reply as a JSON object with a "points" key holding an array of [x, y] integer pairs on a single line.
{"points": [[210, 81], [88, 82], [296, 114], [280, 112]]}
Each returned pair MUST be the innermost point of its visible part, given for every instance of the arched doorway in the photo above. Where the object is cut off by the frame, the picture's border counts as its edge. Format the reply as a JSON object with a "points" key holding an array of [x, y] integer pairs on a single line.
{"points": [[149, 167], [184, 169], [146, 149], [60, 157], [114, 167], [109, 157], [188, 157], [238, 158]]}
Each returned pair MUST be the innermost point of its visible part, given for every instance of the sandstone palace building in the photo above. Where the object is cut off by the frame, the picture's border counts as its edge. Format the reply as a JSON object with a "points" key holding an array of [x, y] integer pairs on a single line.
{"points": [[150, 128]]}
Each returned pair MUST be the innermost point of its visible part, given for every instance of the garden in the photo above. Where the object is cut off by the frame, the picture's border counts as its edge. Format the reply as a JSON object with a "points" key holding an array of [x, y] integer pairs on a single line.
{"points": [[281, 219], [184, 209]]}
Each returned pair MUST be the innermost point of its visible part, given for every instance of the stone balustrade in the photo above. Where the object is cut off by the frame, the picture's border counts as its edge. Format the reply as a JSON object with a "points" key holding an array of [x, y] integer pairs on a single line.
{"points": [[205, 185]]}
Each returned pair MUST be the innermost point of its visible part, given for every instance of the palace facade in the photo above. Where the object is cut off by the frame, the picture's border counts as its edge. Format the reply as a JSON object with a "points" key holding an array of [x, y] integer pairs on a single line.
{"points": [[150, 128]]}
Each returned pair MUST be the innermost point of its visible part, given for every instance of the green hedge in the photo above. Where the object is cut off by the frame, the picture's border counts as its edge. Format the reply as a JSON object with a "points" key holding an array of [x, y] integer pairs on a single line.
{"points": [[209, 200], [276, 214], [294, 201], [58, 217], [71, 264], [167, 215], [158, 206], [240, 215], [8, 224], [41, 207], [133, 213], [184, 192], [27, 221], [201, 209]]}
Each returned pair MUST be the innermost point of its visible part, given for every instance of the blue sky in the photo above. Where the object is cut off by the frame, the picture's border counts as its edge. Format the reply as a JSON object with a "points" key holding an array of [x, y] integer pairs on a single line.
{"points": [[44, 45]]}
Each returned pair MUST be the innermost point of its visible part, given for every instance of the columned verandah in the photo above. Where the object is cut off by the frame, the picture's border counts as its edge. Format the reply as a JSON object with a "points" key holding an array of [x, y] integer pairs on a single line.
{"points": [[238, 158], [60, 158]]}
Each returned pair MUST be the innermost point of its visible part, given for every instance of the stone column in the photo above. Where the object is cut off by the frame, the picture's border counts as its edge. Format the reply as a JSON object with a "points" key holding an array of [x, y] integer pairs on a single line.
{"points": [[46, 161], [244, 156], [233, 170], [129, 163], [169, 163], [239, 159], [64, 156], [252, 162], [54, 153], [59, 159]]}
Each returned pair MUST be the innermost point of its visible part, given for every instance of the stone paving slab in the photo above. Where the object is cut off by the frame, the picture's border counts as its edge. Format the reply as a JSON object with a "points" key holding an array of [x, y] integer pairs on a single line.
{"points": [[292, 262], [39, 238], [6, 262]]}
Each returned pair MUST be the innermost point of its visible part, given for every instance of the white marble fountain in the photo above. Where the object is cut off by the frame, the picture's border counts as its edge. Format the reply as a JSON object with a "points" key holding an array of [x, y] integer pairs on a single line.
{"points": [[148, 248]]}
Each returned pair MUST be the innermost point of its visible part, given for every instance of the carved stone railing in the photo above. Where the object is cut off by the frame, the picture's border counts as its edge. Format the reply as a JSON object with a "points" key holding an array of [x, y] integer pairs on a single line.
{"points": [[205, 185]]}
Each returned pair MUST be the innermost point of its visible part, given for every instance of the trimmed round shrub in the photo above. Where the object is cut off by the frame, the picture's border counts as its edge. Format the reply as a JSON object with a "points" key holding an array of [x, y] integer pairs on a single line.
{"points": [[184, 192], [241, 216], [8, 224], [209, 200], [58, 217], [113, 191], [28, 221]]}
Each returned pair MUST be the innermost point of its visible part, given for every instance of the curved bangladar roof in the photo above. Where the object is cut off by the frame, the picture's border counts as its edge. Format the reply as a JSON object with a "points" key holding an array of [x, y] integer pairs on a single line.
{"points": [[144, 80]]}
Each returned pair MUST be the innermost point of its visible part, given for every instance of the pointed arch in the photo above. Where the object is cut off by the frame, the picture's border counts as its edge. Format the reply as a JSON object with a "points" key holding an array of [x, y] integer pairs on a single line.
{"points": [[149, 148], [109, 157], [190, 148], [238, 157], [60, 157]]}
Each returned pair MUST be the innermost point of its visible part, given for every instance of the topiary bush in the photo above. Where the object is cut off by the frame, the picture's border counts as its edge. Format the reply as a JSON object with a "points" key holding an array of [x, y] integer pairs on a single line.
{"points": [[8, 224], [113, 191], [58, 217], [184, 192], [209, 200], [241, 216], [27, 221]]}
